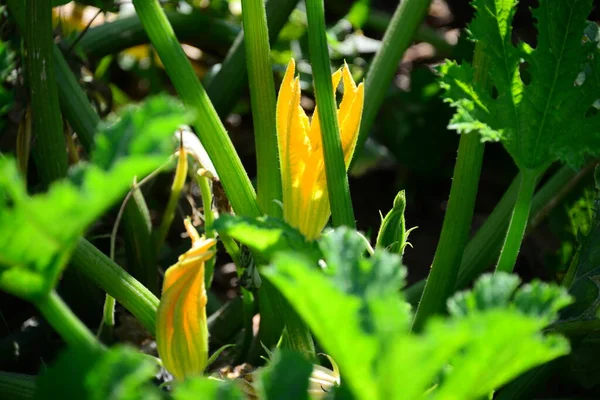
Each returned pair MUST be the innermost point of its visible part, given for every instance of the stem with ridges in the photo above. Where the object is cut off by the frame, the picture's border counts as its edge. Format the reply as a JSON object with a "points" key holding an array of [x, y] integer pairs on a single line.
{"points": [[68, 326], [459, 213], [518, 222], [262, 97], [208, 126], [226, 87], [50, 146], [485, 246], [335, 169], [115, 281], [17, 386]]}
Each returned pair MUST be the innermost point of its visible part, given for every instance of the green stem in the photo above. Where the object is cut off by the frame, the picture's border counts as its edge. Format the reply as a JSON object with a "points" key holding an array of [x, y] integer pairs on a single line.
{"points": [[74, 102], [209, 218], [141, 254], [226, 87], [68, 326], [262, 97], [176, 188], [208, 126], [518, 222], [485, 246], [17, 386], [457, 221], [249, 311], [335, 169], [111, 278], [108, 318], [49, 149], [399, 35]]}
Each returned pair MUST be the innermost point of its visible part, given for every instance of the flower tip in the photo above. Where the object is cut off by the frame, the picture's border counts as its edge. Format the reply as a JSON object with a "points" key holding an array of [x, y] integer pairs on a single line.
{"points": [[191, 231]]}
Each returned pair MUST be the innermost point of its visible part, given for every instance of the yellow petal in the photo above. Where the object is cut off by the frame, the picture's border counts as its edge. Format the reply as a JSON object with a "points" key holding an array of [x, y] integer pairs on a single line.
{"points": [[181, 327], [350, 114], [305, 197], [284, 105]]}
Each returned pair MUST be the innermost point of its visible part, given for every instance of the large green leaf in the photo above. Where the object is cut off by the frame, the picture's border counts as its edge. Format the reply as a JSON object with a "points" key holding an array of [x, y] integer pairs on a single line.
{"points": [[286, 377], [502, 291], [265, 235], [120, 373], [38, 233], [355, 311], [205, 388], [549, 117]]}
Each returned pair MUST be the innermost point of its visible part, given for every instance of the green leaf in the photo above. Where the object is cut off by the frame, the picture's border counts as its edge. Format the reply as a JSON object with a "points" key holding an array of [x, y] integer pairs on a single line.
{"points": [[265, 235], [326, 308], [500, 345], [502, 291], [549, 118], [585, 283], [492, 336], [359, 13], [38, 233], [206, 388], [286, 377], [377, 279], [119, 373]]}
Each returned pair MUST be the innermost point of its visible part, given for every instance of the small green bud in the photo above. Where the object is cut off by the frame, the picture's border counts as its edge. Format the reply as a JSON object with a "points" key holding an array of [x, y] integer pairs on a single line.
{"points": [[392, 234]]}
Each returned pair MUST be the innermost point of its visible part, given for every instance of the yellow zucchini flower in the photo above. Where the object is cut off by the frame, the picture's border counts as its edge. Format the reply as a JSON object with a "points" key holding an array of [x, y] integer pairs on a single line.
{"points": [[181, 327], [305, 197]]}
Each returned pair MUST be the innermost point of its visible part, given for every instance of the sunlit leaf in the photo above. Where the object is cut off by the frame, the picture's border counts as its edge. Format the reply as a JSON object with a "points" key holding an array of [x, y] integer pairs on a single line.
{"points": [[38, 233], [492, 336], [549, 117], [119, 373]]}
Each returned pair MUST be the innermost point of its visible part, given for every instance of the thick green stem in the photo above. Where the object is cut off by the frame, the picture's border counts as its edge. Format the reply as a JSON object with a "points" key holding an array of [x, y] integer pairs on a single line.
{"points": [[208, 126], [335, 169], [399, 35], [518, 222], [17, 386], [111, 278], [262, 96], [457, 222], [50, 146], [226, 87], [68, 326], [485, 246]]}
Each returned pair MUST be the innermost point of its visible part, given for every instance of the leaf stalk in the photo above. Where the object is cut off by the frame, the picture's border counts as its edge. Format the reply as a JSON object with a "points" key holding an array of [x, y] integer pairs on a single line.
{"points": [[518, 222]]}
